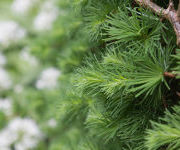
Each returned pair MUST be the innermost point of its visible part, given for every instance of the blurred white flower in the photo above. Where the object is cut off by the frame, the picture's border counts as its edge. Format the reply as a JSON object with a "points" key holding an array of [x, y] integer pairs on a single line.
{"points": [[26, 125], [48, 79], [18, 88], [26, 56], [46, 17], [10, 31], [5, 81], [2, 59], [23, 133], [22, 6], [6, 139], [52, 123], [6, 106]]}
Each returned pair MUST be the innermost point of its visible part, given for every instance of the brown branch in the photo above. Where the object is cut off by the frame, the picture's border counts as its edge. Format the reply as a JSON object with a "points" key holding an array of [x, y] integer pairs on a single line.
{"points": [[178, 11], [170, 14], [169, 74], [171, 5], [178, 94], [150, 5]]}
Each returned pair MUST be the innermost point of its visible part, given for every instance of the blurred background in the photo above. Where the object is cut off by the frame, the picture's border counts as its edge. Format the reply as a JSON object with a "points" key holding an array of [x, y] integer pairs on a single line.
{"points": [[39, 49]]}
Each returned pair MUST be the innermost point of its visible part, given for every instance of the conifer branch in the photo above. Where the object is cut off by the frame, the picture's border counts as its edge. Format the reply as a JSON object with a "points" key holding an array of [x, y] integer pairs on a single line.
{"points": [[170, 14]]}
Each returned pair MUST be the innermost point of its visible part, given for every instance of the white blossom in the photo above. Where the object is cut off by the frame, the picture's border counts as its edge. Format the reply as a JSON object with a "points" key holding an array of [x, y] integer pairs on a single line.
{"points": [[2, 59], [26, 125], [18, 88], [10, 32], [5, 81], [6, 106], [22, 6], [52, 123], [46, 17], [26, 56], [6, 139], [23, 133], [48, 79]]}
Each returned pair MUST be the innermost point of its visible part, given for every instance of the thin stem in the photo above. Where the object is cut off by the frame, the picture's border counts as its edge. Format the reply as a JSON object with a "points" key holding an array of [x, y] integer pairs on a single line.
{"points": [[171, 5], [169, 74], [178, 11], [178, 94], [150, 5]]}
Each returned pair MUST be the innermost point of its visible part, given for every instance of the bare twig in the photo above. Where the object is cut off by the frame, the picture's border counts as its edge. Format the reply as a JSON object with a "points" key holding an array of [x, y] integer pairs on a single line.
{"points": [[150, 5], [169, 74], [171, 5], [170, 14], [178, 11], [178, 94]]}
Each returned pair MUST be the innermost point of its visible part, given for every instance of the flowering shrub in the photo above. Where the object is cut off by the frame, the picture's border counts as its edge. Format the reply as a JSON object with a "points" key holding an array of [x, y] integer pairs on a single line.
{"points": [[10, 32], [26, 122], [48, 79]]}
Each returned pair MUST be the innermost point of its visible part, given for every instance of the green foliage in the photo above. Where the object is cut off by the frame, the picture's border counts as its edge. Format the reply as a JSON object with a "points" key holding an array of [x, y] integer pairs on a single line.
{"points": [[177, 68], [95, 16], [166, 132], [131, 26], [113, 56], [128, 77], [127, 73]]}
